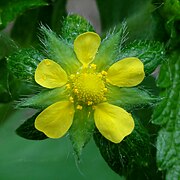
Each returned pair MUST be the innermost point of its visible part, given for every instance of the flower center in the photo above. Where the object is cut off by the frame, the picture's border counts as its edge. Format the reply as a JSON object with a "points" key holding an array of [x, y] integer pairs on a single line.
{"points": [[88, 88]]}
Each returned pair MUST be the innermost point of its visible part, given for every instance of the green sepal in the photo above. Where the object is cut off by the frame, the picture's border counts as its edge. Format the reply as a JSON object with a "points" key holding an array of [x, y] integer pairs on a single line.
{"points": [[74, 25], [133, 152], [109, 48], [44, 98], [59, 50], [28, 131], [23, 64], [149, 52], [82, 129], [130, 98]]}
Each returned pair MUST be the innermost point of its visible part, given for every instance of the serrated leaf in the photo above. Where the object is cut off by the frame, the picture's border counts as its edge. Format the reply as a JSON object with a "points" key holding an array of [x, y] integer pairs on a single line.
{"points": [[9, 10], [74, 25], [81, 130], [150, 53], [132, 152], [23, 64], [28, 131], [167, 115], [170, 12]]}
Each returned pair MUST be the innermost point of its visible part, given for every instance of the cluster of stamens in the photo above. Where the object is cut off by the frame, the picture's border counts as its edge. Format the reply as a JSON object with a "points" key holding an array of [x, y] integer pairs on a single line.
{"points": [[87, 87]]}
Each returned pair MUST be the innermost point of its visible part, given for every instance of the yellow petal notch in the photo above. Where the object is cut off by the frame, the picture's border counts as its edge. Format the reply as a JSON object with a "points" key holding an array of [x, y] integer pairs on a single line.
{"points": [[127, 72], [49, 74], [113, 122], [86, 46], [56, 119]]}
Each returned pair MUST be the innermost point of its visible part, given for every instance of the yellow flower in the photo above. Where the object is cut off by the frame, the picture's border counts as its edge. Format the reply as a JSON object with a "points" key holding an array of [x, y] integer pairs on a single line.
{"points": [[87, 87]]}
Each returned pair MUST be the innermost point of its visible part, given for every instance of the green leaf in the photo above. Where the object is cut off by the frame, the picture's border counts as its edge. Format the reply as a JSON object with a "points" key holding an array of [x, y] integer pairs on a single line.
{"points": [[139, 14], [133, 152], [23, 64], [130, 98], [113, 11], [81, 129], [149, 52], [28, 131], [9, 10], [9, 87], [167, 115], [170, 12], [26, 27], [7, 45], [58, 13], [74, 25], [59, 50], [44, 98]]}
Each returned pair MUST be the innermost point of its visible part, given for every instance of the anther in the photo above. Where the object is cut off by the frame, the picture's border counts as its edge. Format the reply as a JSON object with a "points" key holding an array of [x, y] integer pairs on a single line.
{"points": [[89, 103], [68, 86], [104, 73], [71, 99], [79, 107], [105, 89], [93, 66], [76, 91]]}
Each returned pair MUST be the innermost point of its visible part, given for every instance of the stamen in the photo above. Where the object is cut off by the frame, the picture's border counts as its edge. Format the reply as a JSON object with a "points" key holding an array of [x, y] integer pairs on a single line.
{"points": [[71, 99], [79, 107], [89, 103], [76, 91], [105, 89], [68, 86], [93, 66], [87, 87], [104, 99], [104, 73]]}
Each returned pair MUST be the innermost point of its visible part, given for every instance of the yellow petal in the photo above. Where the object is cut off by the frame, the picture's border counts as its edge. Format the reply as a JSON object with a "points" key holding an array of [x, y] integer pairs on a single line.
{"points": [[49, 74], [113, 122], [55, 120], [86, 46], [127, 72]]}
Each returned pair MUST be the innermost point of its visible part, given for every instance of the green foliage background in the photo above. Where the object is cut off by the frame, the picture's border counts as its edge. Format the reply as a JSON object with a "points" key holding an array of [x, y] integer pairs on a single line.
{"points": [[157, 20]]}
